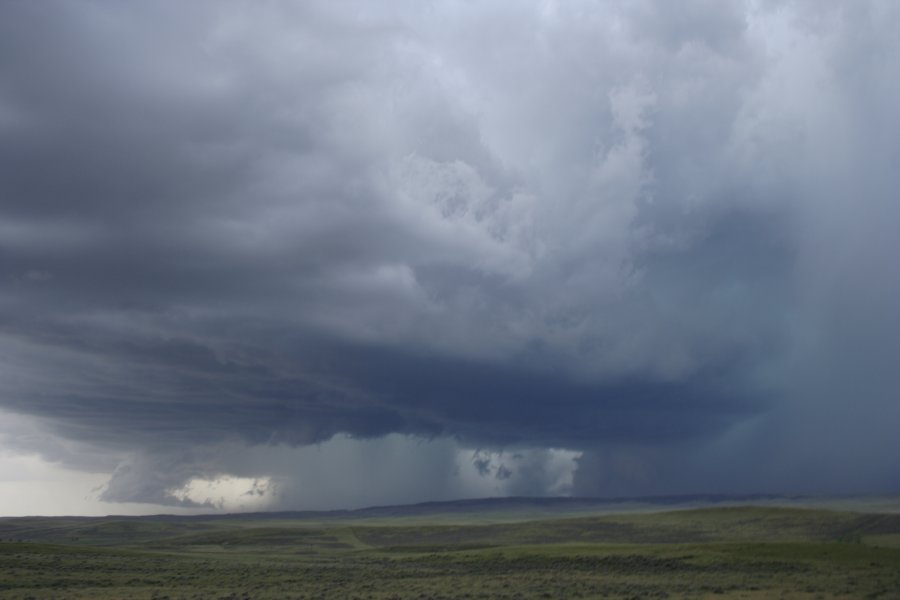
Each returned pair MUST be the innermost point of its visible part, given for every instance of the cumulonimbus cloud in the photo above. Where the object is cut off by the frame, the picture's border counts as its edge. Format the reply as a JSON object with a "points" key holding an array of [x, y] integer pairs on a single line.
{"points": [[632, 231]]}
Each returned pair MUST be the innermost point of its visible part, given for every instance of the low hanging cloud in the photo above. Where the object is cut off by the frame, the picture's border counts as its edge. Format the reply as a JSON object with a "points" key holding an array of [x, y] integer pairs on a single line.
{"points": [[661, 239]]}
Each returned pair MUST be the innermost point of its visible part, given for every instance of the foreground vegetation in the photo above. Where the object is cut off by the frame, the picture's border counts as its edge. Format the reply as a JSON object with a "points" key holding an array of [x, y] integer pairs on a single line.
{"points": [[721, 553]]}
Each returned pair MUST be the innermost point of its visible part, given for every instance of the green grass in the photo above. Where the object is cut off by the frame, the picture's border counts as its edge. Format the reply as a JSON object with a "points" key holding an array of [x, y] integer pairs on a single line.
{"points": [[709, 553]]}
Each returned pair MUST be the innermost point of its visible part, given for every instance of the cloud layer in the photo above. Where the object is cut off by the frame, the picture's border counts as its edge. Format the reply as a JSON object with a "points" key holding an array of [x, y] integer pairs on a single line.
{"points": [[662, 237]]}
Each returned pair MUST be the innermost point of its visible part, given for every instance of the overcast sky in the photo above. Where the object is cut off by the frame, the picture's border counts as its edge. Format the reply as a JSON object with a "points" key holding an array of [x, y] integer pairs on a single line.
{"points": [[319, 254]]}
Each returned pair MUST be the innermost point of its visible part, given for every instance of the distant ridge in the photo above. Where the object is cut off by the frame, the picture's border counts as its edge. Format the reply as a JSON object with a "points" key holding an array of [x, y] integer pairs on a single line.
{"points": [[530, 507], [561, 504]]}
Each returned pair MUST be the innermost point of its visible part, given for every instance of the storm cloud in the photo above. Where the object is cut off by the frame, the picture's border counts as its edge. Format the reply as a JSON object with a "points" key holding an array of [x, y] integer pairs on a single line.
{"points": [[660, 236]]}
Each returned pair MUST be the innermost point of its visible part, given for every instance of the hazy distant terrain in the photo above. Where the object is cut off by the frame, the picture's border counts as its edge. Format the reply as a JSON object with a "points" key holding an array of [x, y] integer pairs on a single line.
{"points": [[512, 548]]}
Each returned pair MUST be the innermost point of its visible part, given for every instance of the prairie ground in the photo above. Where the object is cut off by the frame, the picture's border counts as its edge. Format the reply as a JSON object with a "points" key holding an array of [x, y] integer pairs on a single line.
{"points": [[708, 553]]}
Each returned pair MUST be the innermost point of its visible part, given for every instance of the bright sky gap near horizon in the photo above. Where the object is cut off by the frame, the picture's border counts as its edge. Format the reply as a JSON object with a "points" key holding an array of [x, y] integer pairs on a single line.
{"points": [[289, 255]]}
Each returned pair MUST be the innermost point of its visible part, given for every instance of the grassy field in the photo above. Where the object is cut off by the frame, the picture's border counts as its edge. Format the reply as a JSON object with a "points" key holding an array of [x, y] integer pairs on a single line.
{"points": [[736, 552]]}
